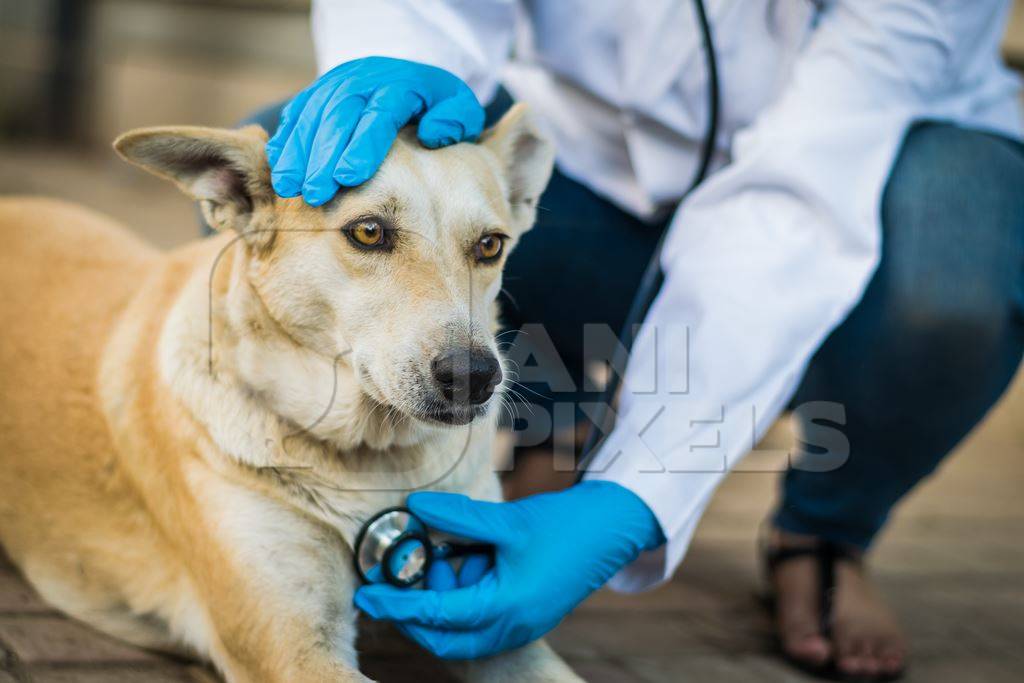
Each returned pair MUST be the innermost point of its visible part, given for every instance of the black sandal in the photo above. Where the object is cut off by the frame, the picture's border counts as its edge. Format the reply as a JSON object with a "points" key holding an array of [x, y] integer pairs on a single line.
{"points": [[828, 554]]}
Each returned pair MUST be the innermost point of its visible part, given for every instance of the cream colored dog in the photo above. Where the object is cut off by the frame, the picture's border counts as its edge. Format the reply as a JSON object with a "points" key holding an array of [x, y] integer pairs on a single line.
{"points": [[189, 441]]}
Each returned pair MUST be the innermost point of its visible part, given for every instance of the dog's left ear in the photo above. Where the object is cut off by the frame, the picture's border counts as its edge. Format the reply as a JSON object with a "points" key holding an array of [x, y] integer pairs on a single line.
{"points": [[528, 159], [224, 170]]}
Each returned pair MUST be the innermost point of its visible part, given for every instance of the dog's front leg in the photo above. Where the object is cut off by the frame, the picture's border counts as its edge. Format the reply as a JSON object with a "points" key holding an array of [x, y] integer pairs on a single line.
{"points": [[278, 647], [276, 588], [536, 662]]}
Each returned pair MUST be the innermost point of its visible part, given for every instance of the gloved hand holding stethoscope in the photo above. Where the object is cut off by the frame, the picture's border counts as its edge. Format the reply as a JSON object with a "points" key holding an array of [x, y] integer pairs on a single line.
{"points": [[526, 563]]}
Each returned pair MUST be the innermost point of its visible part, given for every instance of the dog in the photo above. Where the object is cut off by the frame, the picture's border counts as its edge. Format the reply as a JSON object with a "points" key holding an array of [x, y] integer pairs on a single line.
{"points": [[189, 441]]}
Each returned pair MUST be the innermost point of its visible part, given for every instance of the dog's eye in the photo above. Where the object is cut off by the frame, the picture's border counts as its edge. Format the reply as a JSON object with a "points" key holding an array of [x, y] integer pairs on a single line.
{"points": [[489, 248], [367, 234]]}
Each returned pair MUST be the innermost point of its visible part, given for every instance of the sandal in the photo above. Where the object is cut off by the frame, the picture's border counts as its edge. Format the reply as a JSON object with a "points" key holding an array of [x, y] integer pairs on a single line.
{"points": [[828, 554]]}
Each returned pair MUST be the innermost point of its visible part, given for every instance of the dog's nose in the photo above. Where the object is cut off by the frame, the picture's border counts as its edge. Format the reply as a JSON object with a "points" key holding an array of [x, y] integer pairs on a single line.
{"points": [[467, 376]]}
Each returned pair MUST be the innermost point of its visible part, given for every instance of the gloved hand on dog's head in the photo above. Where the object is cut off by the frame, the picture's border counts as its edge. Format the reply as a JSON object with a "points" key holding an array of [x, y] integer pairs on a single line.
{"points": [[337, 131], [551, 551]]}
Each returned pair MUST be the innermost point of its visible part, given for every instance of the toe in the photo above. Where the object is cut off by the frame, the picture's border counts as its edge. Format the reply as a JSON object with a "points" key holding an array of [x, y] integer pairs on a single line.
{"points": [[873, 657], [871, 665], [851, 665], [854, 656], [811, 649], [892, 659]]}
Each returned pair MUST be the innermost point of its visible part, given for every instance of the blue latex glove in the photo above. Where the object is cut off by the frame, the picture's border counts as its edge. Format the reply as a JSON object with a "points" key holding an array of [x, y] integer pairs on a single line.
{"points": [[551, 551], [338, 130]]}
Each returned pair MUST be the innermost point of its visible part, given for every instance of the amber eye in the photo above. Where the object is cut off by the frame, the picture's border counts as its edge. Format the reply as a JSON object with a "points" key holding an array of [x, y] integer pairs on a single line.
{"points": [[489, 247], [367, 234]]}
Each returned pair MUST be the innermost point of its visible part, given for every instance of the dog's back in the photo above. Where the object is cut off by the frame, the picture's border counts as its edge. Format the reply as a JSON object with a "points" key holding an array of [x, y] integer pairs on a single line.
{"points": [[65, 274]]}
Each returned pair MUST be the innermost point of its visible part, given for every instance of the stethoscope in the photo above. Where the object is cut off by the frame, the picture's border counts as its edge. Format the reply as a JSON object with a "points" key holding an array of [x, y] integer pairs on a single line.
{"points": [[394, 545]]}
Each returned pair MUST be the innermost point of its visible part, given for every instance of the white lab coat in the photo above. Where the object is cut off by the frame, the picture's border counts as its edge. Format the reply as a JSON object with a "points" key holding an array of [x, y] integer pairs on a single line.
{"points": [[776, 247]]}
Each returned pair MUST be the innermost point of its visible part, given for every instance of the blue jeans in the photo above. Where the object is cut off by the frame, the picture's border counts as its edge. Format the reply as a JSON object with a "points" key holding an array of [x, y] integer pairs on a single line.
{"points": [[931, 346], [936, 338]]}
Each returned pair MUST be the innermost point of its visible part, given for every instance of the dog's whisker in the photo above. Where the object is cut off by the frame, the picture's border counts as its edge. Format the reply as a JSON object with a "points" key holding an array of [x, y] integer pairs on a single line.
{"points": [[521, 399], [526, 388], [504, 406]]}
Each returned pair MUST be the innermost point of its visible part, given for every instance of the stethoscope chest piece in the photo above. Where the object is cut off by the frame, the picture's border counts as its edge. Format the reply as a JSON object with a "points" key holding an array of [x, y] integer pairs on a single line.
{"points": [[393, 547]]}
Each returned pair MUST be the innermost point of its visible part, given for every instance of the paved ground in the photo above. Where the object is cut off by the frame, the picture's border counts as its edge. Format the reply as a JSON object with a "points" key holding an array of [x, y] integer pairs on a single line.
{"points": [[952, 562]]}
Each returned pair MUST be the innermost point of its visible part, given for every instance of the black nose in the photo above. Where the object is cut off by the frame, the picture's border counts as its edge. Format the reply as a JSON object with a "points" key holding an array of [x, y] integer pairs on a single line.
{"points": [[467, 375]]}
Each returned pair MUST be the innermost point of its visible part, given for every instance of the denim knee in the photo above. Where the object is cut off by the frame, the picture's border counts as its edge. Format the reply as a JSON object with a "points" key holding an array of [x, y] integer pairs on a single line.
{"points": [[953, 240]]}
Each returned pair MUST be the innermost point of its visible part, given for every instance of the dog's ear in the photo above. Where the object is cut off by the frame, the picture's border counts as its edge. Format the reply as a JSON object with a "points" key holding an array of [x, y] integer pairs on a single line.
{"points": [[527, 158], [224, 170]]}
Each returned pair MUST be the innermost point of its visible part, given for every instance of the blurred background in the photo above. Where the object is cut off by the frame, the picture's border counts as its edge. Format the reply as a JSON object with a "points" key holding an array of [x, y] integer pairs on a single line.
{"points": [[75, 73]]}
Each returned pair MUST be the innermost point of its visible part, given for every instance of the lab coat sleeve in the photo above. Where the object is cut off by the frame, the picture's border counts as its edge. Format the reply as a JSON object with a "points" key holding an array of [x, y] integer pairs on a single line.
{"points": [[470, 38], [774, 250]]}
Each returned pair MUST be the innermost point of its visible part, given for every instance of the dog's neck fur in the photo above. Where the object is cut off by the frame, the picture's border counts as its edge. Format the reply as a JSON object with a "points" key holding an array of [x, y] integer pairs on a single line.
{"points": [[295, 417]]}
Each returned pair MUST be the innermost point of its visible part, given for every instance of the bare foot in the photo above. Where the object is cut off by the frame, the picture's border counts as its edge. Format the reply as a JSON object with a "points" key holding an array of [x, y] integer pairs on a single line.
{"points": [[865, 640]]}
